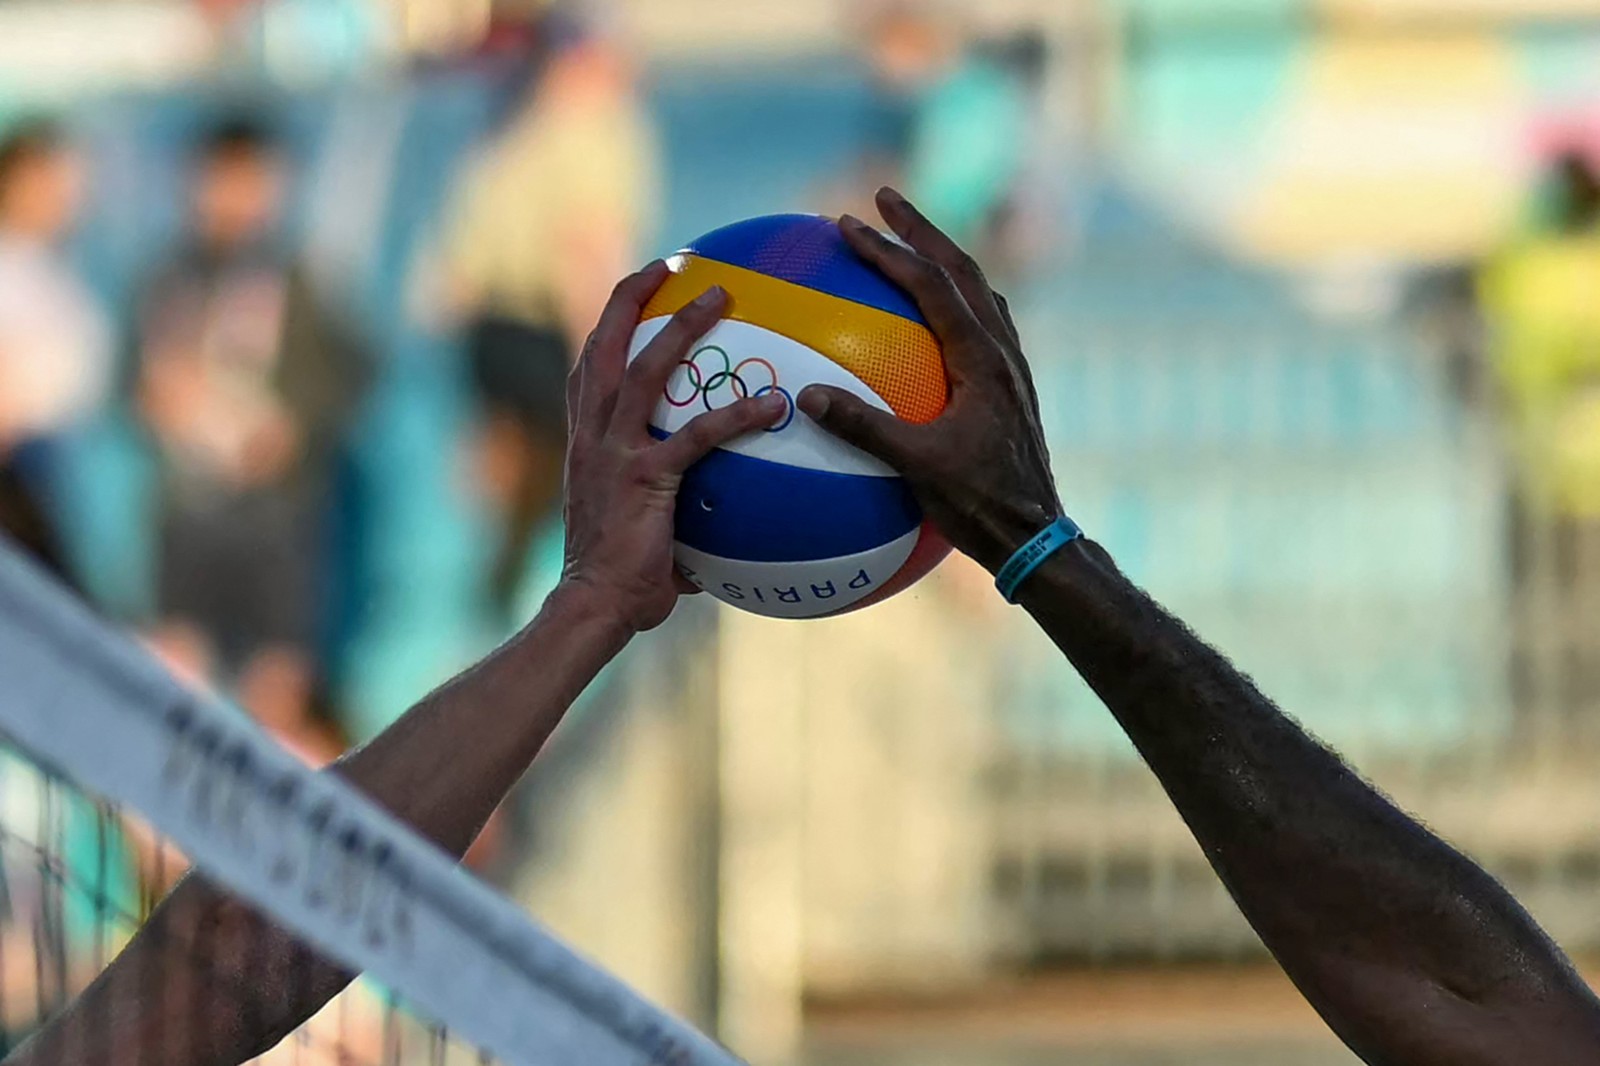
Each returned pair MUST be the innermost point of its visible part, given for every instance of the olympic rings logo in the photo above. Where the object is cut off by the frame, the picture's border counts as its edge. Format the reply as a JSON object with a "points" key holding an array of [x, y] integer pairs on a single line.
{"points": [[711, 378]]}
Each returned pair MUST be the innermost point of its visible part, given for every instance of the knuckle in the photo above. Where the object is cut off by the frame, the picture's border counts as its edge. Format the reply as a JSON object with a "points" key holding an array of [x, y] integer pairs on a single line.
{"points": [[887, 253], [635, 369], [639, 466], [670, 346], [684, 327], [847, 412], [590, 343], [677, 331], [631, 286], [860, 426], [935, 276], [839, 410], [968, 269], [703, 432], [997, 373], [696, 315], [624, 289]]}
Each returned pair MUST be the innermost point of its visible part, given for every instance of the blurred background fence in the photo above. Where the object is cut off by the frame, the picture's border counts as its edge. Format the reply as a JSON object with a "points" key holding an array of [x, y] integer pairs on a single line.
{"points": [[1307, 288]]}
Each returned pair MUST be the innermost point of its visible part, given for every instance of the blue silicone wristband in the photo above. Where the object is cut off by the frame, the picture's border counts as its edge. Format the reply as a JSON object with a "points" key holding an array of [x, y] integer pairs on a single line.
{"points": [[1032, 555]]}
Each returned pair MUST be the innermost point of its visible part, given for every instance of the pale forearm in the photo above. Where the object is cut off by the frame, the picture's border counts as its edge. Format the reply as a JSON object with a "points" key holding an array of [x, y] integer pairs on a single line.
{"points": [[447, 765], [421, 770], [257, 981]]}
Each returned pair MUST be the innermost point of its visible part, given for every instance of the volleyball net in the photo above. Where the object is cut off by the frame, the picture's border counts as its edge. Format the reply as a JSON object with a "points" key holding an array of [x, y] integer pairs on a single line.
{"points": [[114, 778]]}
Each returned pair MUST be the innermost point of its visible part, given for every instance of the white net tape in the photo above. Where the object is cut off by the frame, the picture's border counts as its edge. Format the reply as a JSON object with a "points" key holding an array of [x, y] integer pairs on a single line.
{"points": [[85, 703]]}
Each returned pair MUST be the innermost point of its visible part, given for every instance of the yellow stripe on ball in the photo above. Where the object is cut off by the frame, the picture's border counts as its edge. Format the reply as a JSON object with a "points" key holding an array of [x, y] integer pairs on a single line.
{"points": [[895, 357]]}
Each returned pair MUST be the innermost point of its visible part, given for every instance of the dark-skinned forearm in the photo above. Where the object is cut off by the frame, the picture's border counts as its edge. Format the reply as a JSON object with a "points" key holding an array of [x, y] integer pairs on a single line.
{"points": [[1373, 916], [1413, 953], [210, 982]]}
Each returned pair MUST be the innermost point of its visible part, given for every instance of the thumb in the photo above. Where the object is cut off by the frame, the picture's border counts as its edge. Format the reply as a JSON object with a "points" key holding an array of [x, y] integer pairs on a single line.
{"points": [[853, 420]]}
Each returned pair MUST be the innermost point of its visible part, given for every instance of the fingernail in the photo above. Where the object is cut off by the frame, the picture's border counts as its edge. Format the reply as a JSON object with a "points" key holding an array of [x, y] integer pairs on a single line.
{"points": [[851, 222], [893, 194], [711, 297], [814, 402], [773, 403]]}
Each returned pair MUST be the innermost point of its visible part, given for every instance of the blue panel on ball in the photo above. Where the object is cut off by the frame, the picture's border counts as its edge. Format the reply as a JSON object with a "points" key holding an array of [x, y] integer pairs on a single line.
{"points": [[758, 511], [807, 250]]}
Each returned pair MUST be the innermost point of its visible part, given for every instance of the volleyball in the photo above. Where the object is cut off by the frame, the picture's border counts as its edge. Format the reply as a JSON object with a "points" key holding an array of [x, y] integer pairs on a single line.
{"points": [[791, 522]]}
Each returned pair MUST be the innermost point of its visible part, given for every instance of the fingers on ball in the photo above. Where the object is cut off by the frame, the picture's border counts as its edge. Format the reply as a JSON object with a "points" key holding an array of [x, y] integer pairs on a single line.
{"points": [[592, 385], [648, 375], [712, 430], [930, 285], [856, 422]]}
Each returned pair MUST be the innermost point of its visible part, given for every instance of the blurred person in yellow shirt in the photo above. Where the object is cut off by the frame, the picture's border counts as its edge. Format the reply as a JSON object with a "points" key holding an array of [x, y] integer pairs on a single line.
{"points": [[545, 219], [562, 197], [1541, 302], [1540, 298]]}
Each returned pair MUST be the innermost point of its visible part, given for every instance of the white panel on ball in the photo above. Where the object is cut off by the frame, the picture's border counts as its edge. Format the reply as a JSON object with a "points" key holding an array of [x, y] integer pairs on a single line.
{"points": [[737, 359], [806, 589]]}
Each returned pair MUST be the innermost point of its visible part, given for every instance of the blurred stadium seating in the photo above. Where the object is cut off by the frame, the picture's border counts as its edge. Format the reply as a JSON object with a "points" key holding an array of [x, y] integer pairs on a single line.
{"points": [[906, 806]]}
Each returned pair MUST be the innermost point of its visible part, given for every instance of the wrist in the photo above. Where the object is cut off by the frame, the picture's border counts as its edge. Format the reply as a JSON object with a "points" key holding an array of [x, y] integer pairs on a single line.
{"points": [[1000, 532], [578, 603], [1034, 554], [1072, 574]]}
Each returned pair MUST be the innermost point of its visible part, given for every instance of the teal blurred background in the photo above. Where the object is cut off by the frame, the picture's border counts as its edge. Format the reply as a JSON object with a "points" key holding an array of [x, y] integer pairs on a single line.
{"points": [[1303, 285]]}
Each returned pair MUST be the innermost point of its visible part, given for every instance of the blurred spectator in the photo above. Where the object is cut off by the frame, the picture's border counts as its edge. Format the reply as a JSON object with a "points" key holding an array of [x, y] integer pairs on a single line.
{"points": [[247, 385], [556, 209], [1544, 326], [518, 450], [956, 122], [1539, 297], [55, 368], [55, 340], [545, 221]]}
